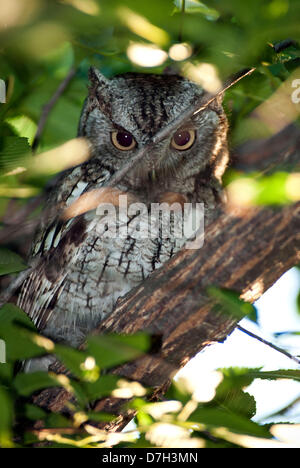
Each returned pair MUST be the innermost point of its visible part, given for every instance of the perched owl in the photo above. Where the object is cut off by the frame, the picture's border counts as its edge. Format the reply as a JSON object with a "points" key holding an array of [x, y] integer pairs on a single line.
{"points": [[81, 269]]}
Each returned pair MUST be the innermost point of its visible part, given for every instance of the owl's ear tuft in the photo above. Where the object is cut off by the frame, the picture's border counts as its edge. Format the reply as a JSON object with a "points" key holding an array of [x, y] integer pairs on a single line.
{"points": [[96, 78], [99, 91]]}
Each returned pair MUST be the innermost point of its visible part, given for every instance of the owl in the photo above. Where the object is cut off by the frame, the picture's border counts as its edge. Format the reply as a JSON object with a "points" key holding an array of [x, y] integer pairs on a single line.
{"points": [[82, 265]]}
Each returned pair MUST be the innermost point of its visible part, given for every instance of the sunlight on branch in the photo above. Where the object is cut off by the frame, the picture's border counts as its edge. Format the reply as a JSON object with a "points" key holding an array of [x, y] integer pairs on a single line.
{"points": [[282, 107], [204, 74], [146, 55], [247, 441], [277, 189], [69, 154], [180, 52], [171, 435], [127, 389], [192, 383], [142, 27], [16, 12], [90, 7]]}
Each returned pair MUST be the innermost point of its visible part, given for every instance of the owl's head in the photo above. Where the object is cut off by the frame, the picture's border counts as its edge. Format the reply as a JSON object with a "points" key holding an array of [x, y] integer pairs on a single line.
{"points": [[122, 114]]}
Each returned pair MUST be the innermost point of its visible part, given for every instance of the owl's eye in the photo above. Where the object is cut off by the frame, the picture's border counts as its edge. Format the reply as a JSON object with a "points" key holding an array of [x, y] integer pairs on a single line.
{"points": [[183, 139], [123, 140]]}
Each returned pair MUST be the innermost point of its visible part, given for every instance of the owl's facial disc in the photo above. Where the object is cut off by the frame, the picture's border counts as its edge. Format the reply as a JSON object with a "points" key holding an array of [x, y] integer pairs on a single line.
{"points": [[155, 168]]}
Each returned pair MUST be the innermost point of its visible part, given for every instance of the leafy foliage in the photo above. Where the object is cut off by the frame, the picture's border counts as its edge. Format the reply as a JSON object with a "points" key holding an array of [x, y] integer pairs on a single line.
{"points": [[10, 262], [58, 35], [41, 41], [229, 302], [220, 418]]}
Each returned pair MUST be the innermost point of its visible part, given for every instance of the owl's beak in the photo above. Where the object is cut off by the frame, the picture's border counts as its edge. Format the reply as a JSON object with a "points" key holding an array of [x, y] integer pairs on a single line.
{"points": [[153, 175], [146, 172]]}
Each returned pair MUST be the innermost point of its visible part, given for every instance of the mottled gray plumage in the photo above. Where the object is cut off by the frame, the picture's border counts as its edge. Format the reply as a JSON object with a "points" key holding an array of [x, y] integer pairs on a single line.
{"points": [[80, 274]]}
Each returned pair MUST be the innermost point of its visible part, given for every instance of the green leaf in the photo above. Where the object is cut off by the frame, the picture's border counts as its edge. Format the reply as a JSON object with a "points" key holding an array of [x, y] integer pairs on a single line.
{"points": [[57, 420], [102, 387], [240, 402], [298, 302], [14, 152], [34, 412], [286, 333], [234, 422], [178, 391], [195, 6], [16, 329], [113, 350], [6, 418], [230, 394], [272, 189], [10, 262], [238, 377], [100, 416], [11, 314], [26, 384], [20, 344], [231, 304], [6, 372], [72, 358], [23, 126], [276, 374]]}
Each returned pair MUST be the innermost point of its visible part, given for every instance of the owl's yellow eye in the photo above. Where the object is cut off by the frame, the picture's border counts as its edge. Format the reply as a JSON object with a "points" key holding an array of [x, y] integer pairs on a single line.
{"points": [[124, 141], [183, 139]]}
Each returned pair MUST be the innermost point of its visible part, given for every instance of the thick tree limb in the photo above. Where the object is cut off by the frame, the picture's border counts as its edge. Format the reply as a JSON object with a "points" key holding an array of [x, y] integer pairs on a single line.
{"points": [[245, 252], [280, 152]]}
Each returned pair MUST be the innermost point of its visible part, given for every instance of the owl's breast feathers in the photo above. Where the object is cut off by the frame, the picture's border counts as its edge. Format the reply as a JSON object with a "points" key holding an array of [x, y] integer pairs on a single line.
{"points": [[82, 267]]}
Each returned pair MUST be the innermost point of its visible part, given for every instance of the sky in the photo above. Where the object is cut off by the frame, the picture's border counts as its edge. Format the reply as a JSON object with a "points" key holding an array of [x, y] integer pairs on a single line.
{"points": [[277, 312]]}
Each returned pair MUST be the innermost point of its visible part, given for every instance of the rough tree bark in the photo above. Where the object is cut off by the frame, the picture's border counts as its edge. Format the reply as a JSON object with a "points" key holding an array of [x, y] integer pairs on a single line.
{"points": [[244, 250]]}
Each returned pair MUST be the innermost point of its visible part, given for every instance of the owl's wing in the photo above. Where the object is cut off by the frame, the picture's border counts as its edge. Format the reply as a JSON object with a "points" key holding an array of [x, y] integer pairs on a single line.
{"points": [[55, 249], [43, 286]]}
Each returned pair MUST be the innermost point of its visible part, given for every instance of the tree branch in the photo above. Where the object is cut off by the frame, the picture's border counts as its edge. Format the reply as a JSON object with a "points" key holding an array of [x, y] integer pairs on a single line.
{"points": [[50, 104], [250, 252], [280, 152], [268, 343]]}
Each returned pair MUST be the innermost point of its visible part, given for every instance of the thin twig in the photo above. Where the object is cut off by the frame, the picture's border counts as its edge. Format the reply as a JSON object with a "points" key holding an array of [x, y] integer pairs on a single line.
{"points": [[50, 104], [268, 343], [14, 285], [42, 433]]}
